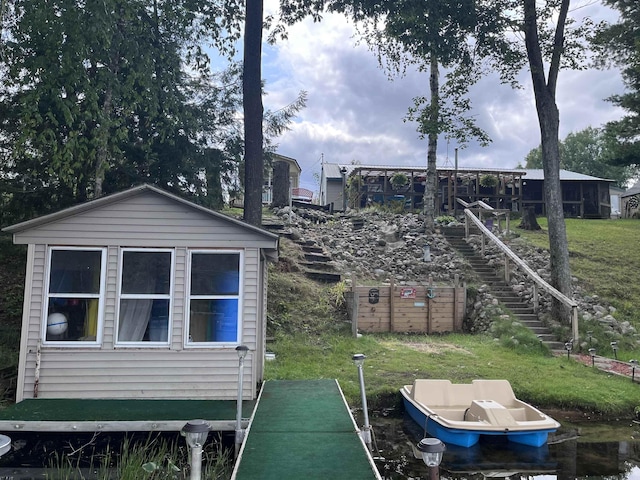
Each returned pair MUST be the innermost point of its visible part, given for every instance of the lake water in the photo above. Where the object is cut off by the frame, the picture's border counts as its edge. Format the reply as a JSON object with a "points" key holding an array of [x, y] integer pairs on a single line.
{"points": [[584, 451]]}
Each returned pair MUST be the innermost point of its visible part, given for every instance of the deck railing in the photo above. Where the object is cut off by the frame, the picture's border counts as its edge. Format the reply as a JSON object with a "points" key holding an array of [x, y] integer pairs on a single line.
{"points": [[511, 258]]}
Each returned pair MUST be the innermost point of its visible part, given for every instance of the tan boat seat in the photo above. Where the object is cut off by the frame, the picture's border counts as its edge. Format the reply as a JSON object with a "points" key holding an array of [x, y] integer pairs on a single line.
{"points": [[497, 390]]}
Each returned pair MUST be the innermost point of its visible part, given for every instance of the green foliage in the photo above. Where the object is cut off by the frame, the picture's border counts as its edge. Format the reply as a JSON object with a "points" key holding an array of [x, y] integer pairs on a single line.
{"points": [[619, 44], [445, 219], [488, 181], [512, 334], [399, 180], [588, 151], [153, 458]]}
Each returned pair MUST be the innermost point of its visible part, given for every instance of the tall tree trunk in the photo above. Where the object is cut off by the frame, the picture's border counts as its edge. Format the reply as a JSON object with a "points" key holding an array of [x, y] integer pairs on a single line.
{"points": [[252, 102], [431, 184], [549, 120]]}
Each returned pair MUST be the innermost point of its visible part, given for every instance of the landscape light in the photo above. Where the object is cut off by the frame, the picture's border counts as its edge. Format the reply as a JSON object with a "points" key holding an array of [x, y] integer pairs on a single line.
{"points": [[568, 346], [195, 433], [592, 352], [614, 345], [5, 444], [634, 364], [239, 433], [432, 451]]}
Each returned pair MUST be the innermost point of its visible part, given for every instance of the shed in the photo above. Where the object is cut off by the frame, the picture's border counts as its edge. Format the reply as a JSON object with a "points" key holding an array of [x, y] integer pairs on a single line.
{"points": [[630, 202], [142, 295]]}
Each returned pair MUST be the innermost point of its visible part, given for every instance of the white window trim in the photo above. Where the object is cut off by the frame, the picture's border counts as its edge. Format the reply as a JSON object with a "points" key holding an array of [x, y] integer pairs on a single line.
{"points": [[187, 308], [101, 299], [120, 296]]}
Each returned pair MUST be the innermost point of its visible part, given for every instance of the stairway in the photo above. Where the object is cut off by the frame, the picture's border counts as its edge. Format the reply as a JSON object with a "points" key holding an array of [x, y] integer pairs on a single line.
{"points": [[317, 265], [500, 289]]}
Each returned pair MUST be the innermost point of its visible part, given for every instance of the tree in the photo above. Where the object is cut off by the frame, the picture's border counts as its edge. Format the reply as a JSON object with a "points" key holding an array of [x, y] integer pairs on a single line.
{"points": [[620, 44], [252, 101], [544, 89], [587, 151]]}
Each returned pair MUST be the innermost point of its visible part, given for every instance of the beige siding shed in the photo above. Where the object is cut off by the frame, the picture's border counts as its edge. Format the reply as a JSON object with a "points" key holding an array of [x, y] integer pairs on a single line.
{"points": [[144, 217]]}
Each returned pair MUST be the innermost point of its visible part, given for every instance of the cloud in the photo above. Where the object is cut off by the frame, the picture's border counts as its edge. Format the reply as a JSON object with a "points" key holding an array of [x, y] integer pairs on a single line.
{"points": [[355, 113]]}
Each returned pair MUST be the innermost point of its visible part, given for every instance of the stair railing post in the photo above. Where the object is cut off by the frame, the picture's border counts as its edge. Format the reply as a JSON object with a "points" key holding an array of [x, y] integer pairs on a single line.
{"points": [[536, 301], [507, 267]]}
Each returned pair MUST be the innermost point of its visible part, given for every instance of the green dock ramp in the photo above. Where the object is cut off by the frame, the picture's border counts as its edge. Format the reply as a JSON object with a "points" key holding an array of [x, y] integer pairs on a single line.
{"points": [[303, 430]]}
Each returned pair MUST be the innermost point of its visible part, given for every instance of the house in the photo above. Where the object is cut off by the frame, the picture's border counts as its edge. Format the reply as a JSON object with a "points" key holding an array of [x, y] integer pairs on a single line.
{"points": [[294, 177], [141, 295], [507, 189], [630, 202]]}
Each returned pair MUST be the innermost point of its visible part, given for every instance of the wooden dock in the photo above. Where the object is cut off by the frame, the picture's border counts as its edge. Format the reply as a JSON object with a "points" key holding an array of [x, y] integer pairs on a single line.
{"points": [[87, 415], [303, 430]]}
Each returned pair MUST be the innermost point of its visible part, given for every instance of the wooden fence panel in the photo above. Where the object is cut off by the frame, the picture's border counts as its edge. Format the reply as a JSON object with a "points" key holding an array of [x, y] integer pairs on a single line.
{"points": [[416, 309]]}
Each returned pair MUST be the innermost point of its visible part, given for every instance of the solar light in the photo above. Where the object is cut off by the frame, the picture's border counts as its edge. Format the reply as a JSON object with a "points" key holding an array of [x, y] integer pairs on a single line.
{"points": [[568, 346], [432, 451], [589, 335], [195, 433], [634, 364], [365, 433], [614, 345], [592, 352]]}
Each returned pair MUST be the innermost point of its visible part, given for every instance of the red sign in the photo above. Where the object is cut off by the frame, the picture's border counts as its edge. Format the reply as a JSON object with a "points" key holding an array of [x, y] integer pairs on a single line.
{"points": [[408, 292]]}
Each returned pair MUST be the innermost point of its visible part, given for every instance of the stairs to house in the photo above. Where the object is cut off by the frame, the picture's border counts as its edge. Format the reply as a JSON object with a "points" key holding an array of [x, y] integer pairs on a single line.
{"points": [[500, 289], [317, 264]]}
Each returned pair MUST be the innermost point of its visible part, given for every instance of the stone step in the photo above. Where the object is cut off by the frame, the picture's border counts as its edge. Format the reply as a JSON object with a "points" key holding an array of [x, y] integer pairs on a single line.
{"points": [[312, 249], [316, 257]]}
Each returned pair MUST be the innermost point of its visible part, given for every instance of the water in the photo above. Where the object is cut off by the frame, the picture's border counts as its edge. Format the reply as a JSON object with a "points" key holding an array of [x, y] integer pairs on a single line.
{"points": [[585, 451]]}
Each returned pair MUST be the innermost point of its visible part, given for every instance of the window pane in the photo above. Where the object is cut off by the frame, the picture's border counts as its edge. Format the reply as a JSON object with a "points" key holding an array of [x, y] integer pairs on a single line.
{"points": [[144, 320], [213, 320], [72, 319], [75, 271], [215, 274], [146, 272]]}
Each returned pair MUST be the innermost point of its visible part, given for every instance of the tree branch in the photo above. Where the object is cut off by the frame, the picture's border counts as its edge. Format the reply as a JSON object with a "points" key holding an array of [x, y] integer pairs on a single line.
{"points": [[558, 47]]}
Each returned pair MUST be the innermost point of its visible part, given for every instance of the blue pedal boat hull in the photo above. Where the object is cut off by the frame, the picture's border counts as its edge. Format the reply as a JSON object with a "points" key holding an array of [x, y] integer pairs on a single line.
{"points": [[467, 434]]}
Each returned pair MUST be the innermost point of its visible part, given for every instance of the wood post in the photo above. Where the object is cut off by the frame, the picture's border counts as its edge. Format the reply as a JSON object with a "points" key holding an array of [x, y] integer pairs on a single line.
{"points": [[392, 306]]}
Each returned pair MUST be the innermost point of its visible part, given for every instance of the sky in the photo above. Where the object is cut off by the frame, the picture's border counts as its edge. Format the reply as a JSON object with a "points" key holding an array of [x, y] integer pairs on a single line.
{"points": [[355, 113]]}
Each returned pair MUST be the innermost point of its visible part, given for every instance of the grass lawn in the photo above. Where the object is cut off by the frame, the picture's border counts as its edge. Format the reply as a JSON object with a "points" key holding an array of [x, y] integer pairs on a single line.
{"points": [[604, 257]]}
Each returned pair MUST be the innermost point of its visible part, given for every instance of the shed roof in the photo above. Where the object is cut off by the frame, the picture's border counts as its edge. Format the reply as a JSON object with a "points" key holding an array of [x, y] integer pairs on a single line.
{"points": [[126, 194], [633, 190], [332, 170]]}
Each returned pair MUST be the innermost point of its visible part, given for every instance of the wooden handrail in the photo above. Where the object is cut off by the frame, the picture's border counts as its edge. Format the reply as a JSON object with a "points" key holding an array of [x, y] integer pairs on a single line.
{"points": [[538, 281]]}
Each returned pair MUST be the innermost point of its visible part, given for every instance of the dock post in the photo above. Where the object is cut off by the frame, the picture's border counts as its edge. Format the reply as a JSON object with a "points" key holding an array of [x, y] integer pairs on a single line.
{"points": [[365, 432], [242, 352]]}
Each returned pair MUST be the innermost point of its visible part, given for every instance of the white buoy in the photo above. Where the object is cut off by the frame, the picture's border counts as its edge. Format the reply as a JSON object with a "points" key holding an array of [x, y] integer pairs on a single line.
{"points": [[57, 323], [5, 444]]}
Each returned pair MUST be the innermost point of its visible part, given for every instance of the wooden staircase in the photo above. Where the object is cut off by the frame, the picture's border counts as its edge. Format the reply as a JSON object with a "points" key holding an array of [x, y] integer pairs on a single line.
{"points": [[500, 289]]}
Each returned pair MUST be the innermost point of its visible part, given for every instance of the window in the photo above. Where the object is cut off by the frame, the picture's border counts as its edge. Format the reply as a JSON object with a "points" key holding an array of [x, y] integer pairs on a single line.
{"points": [[214, 297], [145, 296], [74, 295]]}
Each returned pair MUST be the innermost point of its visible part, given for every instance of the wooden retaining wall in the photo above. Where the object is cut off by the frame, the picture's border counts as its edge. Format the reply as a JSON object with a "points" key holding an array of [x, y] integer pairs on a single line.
{"points": [[416, 309]]}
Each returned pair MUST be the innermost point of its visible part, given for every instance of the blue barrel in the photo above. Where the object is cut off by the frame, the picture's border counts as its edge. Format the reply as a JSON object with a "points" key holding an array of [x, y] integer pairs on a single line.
{"points": [[226, 325]]}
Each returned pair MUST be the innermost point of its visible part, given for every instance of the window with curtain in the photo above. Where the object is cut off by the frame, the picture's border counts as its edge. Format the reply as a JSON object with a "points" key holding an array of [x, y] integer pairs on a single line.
{"points": [[75, 293], [214, 297], [145, 296]]}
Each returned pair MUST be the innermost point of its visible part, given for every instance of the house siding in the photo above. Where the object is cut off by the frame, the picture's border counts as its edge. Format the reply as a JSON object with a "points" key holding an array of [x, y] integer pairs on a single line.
{"points": [[111, 371]]}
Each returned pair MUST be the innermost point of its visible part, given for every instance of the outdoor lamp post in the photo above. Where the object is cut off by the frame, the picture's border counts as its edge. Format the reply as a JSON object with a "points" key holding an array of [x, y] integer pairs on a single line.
{"points": [[432, 451], [343, 172], [365, 433], [592, 352], [589, 335], [614, 345], [634, 364], [5, 444], [242, 353], [195, 433], [568, 346]]}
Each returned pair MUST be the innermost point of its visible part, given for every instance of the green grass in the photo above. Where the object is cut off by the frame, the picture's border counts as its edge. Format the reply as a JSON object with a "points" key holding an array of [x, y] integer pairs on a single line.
{"points": [[395, 360], [312, 341], [604, 256]]}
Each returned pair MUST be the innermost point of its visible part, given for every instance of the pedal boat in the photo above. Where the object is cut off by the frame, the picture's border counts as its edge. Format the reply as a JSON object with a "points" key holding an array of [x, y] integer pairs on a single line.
{"points": [[460, 413]]}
